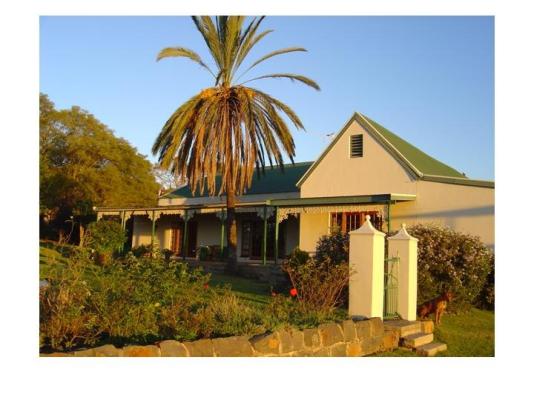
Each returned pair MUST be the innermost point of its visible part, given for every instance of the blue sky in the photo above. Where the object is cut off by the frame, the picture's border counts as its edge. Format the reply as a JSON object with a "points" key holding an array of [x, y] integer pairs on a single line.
{"points": [[428, 79]]}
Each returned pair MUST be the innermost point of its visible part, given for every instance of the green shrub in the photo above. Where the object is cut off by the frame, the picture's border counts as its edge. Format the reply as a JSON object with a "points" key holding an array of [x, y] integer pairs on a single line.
{"points": [[486, 298], [284, 311], [320, 287], [333, 249], [65, 316], [228, 316], [105, 237], [298, 257], [142, 300], [142, 250], [450, 260]]}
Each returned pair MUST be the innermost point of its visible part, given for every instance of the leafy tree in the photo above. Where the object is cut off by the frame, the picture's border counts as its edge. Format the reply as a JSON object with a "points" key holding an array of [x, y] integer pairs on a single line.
{"points": [[219, 137], [82, 164]]}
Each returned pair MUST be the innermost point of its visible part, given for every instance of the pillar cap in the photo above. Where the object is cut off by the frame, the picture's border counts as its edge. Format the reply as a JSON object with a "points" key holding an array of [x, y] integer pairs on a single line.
{"points": [[402, 234], [367, 228]]}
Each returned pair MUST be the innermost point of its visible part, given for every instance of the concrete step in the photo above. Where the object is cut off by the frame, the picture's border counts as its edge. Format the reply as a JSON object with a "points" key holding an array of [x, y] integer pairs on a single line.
{"points": [[417, 339], [430, 349], [405, 328]]}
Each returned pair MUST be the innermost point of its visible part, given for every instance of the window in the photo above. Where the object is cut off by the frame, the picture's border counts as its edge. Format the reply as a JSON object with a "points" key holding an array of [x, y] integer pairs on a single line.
{"points": [[349, 221], [356, 146]]}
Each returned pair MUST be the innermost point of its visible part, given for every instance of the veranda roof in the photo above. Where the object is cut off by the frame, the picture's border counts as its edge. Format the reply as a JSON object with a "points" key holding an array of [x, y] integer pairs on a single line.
{"points": [[275, 180], [341, 200]]}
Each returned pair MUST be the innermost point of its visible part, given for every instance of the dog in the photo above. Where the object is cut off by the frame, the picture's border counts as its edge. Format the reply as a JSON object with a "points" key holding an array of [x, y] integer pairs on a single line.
{"points": [[436, 306]]}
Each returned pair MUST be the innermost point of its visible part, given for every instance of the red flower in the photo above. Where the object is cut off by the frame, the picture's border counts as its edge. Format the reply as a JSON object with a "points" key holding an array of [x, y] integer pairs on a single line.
{"points": [[293, 292], [273, 294], [206, 286]]}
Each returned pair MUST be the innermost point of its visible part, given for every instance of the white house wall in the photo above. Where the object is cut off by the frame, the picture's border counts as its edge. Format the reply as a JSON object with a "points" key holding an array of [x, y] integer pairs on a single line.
{"points": [[312, 227], [377, 172], [467, 209], [142, 231]]}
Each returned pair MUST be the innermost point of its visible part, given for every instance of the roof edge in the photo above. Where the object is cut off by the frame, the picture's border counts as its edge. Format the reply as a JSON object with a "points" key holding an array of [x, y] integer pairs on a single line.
{"points": [[459, 181], [390, 148], [369, 128], [326, 150]]}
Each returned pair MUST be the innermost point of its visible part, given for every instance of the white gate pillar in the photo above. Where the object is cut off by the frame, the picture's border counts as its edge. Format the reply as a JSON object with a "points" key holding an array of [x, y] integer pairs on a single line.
{"points": [[404, 246], [366, 262]]}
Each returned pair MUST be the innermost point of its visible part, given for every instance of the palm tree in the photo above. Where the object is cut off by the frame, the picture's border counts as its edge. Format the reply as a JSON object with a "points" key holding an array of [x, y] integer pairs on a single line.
{"points": [[228, 130]]}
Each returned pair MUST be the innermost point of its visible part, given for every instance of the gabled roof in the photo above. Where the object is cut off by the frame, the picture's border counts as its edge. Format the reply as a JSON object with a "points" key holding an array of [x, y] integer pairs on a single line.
{"points": [[419, 164], [273, 181]]}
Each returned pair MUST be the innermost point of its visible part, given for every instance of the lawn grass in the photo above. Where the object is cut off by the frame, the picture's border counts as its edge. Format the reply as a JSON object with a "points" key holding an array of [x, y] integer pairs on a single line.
{"points": [[471, 334], [252, 291]]}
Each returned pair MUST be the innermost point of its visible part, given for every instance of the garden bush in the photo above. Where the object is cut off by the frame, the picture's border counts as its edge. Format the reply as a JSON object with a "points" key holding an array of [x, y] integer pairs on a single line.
{"points": [[486, 298], [105, 237], [128, 301], [450, 260], [141, 300], [320, 282], [298, 257], [318, 287], [333, 249], [143, 250], [64, 295]]}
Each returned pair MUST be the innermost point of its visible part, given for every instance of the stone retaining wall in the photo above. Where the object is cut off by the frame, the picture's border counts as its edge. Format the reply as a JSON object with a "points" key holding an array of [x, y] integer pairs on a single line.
{"points": [[349, 338]]}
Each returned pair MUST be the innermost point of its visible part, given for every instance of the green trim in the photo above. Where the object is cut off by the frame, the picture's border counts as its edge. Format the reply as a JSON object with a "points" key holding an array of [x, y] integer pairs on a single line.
{"points": [[317, 201], [459, 181], [276, 229], [416, 158], [416, 162], [264, 243], [388, 145], [152, 238], [223, 223], [184, 241]]}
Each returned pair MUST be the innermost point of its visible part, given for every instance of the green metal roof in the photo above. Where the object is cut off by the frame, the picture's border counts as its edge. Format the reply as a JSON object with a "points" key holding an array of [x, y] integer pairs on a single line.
{"points": [[275, 180], [423, 162], [418, 163]]}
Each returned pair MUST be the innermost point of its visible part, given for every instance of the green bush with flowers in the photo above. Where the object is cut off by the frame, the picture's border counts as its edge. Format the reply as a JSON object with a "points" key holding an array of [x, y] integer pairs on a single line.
{"points": [[140, 300], [450, 260]]}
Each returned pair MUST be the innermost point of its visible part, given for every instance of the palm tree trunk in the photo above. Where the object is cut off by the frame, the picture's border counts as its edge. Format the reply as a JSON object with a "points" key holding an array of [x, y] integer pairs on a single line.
{"points": [[231, 231]]}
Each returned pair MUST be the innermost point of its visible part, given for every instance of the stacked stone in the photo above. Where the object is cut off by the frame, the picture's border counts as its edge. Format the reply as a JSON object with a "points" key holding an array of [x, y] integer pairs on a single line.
{"points": [[349, 338]]}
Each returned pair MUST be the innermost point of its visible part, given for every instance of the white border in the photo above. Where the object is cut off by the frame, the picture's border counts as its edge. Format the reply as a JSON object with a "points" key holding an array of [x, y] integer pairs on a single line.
{"points": [[26, 376]]}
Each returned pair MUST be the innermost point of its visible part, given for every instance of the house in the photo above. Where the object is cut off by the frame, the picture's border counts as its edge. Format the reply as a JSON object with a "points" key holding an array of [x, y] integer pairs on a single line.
{"points": [[365, 170]]}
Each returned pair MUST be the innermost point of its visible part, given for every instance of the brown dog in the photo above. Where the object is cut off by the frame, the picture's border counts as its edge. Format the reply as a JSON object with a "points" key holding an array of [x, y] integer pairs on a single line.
{"points": [[436, 307]]}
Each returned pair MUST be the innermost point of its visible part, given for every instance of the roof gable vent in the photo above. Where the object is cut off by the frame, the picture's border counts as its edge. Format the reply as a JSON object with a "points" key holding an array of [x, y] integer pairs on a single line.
{"points": [[356, 146]]}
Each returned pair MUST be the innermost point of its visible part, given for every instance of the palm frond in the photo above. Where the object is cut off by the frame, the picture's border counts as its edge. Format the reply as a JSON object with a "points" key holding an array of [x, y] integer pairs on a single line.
{"points": [[183, 52], [292, 77], [273, 54], [224, 134]]}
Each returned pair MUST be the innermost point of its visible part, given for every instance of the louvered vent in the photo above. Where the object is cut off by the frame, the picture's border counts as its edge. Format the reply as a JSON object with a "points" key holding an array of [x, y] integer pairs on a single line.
{"points": [[356, 146]]}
